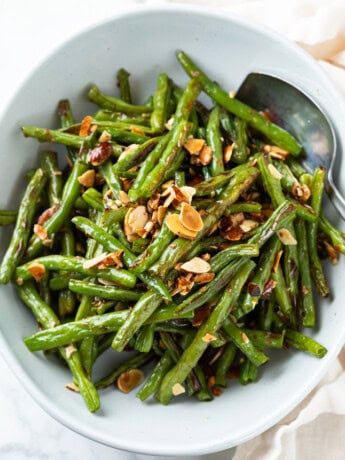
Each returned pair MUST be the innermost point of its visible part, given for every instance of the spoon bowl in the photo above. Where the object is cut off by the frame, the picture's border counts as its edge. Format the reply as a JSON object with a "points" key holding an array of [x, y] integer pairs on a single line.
{"points": [[296, 112]]}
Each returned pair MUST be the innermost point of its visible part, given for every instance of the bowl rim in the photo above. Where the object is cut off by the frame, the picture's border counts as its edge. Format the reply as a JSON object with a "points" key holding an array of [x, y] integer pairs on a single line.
{"points": [[10, 357]]}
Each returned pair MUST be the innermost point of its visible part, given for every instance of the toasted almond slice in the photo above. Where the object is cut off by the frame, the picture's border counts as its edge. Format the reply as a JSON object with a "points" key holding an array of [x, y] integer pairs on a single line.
{"points": [[194, 146], [236, 219], [244, 337], [95, 261], [138, 218], [40, 232], [47, 214], [206, 155], [190, 218], [112, 259], [104, 137], [228, 152], [232, 94], [285, 237], [204, 278], [196, 265], [137, 130], [248, 225], [85, 126], [88, 178], [128, 380], [106, 282], [161, 211], [170, 194], [274, 171], [176, 226], [183, 286], [178, 389], [36, 270], [72, 387], [123, 197], [276, 149], [277, 261], [188, 193], [209, 338]]}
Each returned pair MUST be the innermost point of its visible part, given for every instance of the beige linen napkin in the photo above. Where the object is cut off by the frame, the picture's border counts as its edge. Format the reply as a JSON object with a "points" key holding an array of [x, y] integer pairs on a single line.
{"points": [[316, 428]]}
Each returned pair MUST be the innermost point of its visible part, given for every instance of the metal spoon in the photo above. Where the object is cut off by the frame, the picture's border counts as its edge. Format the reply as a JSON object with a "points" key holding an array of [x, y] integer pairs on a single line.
{"points": [[297, 113]]}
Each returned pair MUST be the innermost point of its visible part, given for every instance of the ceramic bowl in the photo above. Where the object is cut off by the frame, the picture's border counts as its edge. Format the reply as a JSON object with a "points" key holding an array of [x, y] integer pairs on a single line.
{"points": [[145, 42]]}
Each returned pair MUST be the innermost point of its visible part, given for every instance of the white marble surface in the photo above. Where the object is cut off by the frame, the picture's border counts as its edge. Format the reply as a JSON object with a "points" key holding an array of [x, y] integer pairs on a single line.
{"points": [[28, 32]]}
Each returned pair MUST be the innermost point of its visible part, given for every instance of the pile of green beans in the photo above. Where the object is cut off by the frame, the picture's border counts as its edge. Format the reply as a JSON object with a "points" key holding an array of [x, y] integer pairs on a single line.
{"points": [[97, 281]]}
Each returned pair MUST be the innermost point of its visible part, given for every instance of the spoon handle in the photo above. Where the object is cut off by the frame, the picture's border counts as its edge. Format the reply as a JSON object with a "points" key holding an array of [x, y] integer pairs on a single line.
{"points": [[335, 196]]}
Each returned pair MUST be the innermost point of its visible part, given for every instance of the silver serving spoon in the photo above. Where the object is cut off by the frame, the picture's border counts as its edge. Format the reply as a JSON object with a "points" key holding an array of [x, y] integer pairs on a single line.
{"points": [[297, 113]]}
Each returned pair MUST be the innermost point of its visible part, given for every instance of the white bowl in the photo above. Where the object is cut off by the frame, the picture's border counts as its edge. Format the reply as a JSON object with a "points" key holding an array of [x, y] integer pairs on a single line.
{"points": [[145, 42]]}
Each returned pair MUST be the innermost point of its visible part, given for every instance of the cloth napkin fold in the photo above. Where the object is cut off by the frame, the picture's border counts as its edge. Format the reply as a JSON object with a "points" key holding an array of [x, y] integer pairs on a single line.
{"points": [[316, 428]]}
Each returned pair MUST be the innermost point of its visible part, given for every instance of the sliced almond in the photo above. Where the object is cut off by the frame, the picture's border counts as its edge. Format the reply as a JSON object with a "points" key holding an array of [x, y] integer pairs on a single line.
{"points": [[178, 389], [46, 215], [248, 225], [95, 261], [129, 380], [170, 194], [175, 225], [87, 179], [228, 152], [40, 232], [138, 218], [72, 387], [209, 338], [301, 192], [137, 130], [104, 137], [37, 270], [161, 212], [194, 146], [274, 172], [206, 155], [190, 218], [232, 94], [277, 261], [112, 260], [183, 285], [153, 202], [204, 278], [188, 193], [85, 126], [244, 337], [196, 265], [169, 124], [285, 237], [123, 197]]}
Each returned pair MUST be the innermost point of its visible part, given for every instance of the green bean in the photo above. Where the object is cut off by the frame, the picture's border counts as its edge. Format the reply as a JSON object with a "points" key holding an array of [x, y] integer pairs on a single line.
{"points": [[306, 290], [155, 177], [147, 166], [115, 104], [281, 289], [66, 119], [135, 155], [192, 354], [245, 206], [161, 99], [8, 217], [145, 337], [208, 186], [123, 84], [105, 292], [51, 135], [265, 339], [337, 237], [20, 236], [123, 136], [213, 138], [142, 310], [224, 363], [266, 313], [302, 342], [107, 171], [125, 126], [273, 132], [107, 115], [93, 198], [316, 269], [186, 101], [237, 335], [49, 165], [47, 318], [74, 264], [153, 383], [261, 276], [113, 216], [248, 372], [180, 179], [139, 245], [153, 251], [67, 299], [88, 351], [241, 150], [70, 192], [222, 258]]}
